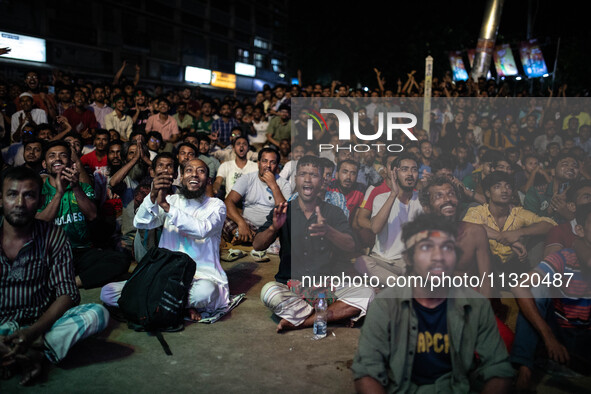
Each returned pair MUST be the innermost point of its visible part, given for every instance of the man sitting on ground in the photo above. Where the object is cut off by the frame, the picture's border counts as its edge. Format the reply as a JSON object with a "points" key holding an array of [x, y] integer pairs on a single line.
{"points": [[440, 197], [390, 211], [445, 340], [346, 184], [260, 191], [193, 225], [563, 322], [38, 293], [506, 225], [70, 204], [230, 171], [315, 232]]}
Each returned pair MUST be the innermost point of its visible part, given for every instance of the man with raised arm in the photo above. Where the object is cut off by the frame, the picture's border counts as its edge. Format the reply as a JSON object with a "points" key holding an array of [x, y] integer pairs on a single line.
{"points": [[313, 235], [193, 225]]}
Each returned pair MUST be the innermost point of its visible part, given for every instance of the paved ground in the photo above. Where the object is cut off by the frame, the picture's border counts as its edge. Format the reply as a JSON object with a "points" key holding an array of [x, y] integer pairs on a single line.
{"points": [[240, 353]]}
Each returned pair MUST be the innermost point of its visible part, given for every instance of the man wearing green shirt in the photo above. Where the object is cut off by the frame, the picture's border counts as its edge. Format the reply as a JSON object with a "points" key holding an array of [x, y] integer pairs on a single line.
{"points": [[183, 119], [203, 124], [280, 126], [415, 339], [70, 204]]}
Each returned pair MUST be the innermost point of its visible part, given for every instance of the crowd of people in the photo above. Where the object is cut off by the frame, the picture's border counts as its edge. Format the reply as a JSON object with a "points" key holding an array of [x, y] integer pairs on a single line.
{"points": [[97, 173]]}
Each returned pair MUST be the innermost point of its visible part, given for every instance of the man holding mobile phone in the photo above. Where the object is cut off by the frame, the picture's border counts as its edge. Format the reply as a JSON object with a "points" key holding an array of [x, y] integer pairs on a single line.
{"points": [[70, 204]]}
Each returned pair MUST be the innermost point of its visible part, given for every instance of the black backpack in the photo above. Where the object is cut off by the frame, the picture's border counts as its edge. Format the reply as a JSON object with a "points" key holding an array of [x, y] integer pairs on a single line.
{"points": [[154, 298]]}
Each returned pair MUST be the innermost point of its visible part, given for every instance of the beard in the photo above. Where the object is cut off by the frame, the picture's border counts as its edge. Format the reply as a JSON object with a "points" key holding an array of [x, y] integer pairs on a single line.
{"points": [[138, 172], [18, 218], [404, 187], [192, 195], [33, 163]]}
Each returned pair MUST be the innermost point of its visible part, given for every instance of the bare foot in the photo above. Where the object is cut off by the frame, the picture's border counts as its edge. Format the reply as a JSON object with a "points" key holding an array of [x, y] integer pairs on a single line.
{"points": [[194, 315], [285, 325], [523, 378], [30, 365]]}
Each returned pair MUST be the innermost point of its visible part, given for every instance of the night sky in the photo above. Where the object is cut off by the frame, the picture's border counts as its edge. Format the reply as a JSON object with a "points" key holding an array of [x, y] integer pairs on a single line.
{"points": [[333, 40]]}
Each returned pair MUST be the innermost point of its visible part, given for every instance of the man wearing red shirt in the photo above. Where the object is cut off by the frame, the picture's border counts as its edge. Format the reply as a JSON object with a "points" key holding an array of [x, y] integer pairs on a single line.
{"points": [[346, 183], [80, 117], [97, 159]]}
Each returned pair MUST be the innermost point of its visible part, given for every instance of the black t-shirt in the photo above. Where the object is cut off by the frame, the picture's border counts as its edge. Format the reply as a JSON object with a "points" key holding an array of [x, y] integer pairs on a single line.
{"points": [[302, 254], [432, 358]]}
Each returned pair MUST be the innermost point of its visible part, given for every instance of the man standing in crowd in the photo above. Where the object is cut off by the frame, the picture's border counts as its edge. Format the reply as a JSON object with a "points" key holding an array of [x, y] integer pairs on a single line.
{"points": [[140, 113], [183, 119], [203, 123], [97, 159], [542, 141]]}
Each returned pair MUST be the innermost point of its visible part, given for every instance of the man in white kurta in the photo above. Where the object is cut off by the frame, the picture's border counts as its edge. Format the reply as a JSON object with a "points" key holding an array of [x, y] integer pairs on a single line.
{"points": [[193, 225]]}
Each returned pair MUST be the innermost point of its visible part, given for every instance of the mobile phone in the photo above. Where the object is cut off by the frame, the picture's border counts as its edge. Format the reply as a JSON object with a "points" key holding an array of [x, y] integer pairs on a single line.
{"points": [[51, 89]]}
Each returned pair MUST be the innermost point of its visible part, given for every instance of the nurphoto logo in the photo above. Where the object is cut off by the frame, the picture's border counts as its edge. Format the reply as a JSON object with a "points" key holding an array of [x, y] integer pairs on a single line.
{"points": [[392, 123]]}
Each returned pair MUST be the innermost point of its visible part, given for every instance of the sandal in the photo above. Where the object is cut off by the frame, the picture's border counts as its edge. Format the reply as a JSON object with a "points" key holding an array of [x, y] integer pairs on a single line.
{"points": [[259, 256], [233, 255]]}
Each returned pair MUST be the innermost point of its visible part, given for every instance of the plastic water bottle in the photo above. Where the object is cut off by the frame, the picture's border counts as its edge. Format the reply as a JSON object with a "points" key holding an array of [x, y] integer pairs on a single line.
{"points": [[320, 319]]}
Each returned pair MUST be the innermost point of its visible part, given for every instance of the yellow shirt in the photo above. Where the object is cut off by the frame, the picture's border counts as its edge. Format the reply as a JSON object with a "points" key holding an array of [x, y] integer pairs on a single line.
{"points": [[519, 217]]}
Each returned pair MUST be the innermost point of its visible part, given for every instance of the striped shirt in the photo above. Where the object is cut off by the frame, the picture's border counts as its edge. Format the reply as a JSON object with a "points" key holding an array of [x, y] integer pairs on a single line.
{"points": [[573, 309], [41, 272], [224, 129]]}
